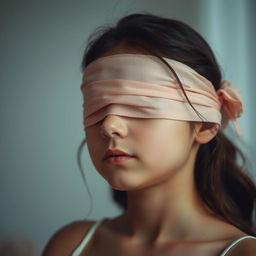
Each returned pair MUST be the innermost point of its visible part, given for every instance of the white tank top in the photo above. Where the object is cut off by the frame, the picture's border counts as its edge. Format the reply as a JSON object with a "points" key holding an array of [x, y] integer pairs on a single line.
{"points": [[94, 227]]}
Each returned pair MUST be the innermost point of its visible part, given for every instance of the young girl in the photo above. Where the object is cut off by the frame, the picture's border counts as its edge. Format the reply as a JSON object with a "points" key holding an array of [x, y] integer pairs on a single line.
{"points": [[154, 109]]}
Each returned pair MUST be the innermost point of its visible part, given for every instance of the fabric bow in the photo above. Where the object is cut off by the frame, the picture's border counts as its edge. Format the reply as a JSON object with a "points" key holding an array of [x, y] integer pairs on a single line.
{"points": [[231, 104]]}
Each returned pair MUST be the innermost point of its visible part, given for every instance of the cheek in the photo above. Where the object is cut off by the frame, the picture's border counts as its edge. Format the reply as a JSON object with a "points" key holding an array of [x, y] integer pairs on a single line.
{"points": [[96, 148], [93, 144], [167, 148]]}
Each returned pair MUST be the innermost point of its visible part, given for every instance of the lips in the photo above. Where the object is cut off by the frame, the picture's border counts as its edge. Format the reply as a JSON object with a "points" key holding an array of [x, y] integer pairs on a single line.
{"points": [[114, 153]]}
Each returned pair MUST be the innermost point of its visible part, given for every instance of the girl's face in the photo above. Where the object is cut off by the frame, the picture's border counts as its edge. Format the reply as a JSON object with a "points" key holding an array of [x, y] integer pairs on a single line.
{"points": [[161, 148]]}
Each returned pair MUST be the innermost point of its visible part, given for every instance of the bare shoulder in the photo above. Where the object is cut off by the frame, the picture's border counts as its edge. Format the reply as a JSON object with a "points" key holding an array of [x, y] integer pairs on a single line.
{"points": [[66, 239], [246, 247]]}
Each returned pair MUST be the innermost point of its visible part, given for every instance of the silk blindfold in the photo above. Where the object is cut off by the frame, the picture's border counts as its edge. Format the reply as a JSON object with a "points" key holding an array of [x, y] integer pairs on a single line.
{"points": [[142, 86]]}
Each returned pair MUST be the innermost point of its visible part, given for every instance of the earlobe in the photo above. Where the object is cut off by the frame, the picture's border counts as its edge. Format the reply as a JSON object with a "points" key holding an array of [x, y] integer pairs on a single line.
{"points": [[206, 132]]}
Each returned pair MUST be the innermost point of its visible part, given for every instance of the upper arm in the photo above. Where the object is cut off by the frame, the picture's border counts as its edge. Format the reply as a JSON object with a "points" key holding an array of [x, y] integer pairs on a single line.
{"points": [[65, 240], [250, 247], [246, 247]]}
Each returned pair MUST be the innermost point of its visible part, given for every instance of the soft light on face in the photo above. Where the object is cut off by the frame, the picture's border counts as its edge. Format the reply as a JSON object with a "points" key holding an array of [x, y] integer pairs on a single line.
{"points": [[162, 148]]}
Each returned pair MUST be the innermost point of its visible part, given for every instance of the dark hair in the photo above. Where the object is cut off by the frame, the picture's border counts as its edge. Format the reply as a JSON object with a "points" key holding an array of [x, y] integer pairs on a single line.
{"points": [[222, 183]]}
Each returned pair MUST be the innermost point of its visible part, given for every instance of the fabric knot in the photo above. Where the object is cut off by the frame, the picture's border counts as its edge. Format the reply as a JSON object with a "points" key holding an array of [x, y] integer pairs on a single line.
{"points": [[231, 104]]}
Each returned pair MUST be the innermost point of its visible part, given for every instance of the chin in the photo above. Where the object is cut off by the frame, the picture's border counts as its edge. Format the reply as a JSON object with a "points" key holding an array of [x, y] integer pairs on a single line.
{"points": [[127, 187], [123, 186], [120, 187]]}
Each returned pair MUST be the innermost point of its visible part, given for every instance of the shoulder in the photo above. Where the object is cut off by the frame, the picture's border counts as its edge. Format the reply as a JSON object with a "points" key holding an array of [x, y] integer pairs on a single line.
{"points": [[246, 247], [66, 239]]}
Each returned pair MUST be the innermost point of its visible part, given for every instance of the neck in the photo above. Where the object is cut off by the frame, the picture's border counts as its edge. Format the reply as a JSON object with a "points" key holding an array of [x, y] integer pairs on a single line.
{"points": [[172, 210]]}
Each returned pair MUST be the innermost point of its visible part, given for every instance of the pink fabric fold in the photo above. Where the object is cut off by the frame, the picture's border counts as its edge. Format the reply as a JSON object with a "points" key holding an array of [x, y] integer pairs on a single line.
{"points": [[142, 86], [232, 104]]}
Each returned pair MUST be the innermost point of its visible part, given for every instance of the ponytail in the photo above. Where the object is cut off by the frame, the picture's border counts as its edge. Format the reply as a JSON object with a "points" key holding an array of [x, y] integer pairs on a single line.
{"points": [[223, 185]]}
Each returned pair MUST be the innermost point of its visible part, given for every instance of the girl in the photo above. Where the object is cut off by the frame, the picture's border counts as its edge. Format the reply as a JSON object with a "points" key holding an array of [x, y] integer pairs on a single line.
{"points": [[154, 107]]}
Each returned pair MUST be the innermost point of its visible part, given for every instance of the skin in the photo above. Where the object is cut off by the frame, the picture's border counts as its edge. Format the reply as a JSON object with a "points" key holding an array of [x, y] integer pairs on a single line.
{"points": [[159, 181], [165, 215]]}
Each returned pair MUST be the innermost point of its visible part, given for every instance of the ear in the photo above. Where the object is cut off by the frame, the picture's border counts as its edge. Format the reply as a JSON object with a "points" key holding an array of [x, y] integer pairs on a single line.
{"points": [[205, 132]]}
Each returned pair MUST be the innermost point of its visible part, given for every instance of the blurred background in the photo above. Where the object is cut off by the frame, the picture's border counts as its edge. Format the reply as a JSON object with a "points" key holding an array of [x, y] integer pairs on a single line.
{"points": [[41, 47]]}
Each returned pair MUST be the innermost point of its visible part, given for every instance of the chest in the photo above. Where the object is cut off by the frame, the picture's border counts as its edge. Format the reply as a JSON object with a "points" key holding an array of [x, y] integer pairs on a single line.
{"points": [[110, 247]]}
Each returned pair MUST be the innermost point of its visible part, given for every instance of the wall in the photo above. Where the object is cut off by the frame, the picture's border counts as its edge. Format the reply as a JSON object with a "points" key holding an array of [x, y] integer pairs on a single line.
{"points": [[41, 105]]}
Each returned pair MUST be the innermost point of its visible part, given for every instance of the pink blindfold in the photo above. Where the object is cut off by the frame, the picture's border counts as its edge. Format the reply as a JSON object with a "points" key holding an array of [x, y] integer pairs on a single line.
{"points": [[142, 86]]}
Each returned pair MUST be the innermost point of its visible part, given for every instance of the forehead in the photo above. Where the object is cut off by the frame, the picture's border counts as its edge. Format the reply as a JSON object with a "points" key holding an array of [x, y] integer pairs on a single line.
{"points": [[123, 47]]}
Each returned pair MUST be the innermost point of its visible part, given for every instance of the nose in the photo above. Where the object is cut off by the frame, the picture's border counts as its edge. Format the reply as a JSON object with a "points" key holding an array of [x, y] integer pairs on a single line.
{"points": [[114, 125]]}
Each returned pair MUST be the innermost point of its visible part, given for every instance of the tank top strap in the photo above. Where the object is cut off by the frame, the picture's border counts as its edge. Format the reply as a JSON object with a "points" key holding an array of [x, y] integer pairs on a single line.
{"points": [[234, 243], [87, 238]]}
